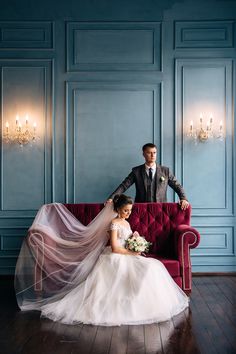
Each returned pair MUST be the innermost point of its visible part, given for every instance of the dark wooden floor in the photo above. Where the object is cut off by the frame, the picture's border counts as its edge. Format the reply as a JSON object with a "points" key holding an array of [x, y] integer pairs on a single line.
{"points": [[208, 327]]}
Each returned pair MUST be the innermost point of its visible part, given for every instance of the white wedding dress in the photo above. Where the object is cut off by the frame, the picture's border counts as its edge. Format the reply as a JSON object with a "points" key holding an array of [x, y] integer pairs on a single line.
{"points": [[120, 290]]}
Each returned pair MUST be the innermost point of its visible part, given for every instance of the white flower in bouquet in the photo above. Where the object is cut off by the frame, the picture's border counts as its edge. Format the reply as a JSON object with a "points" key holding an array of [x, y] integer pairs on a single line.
{"points": [[137, 243]]}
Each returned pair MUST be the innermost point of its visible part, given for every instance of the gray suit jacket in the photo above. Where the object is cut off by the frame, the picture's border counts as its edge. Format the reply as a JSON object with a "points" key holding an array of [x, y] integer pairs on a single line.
{"points": [[163, 178]]}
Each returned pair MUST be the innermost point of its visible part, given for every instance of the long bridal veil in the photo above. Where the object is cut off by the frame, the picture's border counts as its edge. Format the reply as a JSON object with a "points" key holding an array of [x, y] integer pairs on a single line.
{"points": [[57, 254]]}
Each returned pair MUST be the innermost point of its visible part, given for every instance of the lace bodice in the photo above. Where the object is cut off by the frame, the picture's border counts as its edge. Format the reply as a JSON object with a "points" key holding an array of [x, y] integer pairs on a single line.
{"points": [[123, 232]]}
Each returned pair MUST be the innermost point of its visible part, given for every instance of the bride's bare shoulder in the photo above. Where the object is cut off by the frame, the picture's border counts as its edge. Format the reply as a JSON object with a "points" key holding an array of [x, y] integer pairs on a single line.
{"points": [[115, 221]]}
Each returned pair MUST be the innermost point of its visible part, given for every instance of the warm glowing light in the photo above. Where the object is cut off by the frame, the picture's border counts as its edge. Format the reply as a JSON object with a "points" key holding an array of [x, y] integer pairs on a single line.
{"points": [[206, 130], [21, 133]]}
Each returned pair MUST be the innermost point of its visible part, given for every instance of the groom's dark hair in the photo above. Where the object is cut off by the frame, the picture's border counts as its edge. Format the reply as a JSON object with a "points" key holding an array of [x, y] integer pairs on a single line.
{"points": [[148, 145]]}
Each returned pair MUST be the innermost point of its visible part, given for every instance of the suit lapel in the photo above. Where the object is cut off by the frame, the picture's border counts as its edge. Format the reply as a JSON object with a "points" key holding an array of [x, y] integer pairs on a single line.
{"points": [[144, 176], [158, 174]]}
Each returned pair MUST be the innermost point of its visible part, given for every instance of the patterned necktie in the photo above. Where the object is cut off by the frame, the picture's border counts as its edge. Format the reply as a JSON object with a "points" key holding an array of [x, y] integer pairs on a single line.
{"points": [[150, 174]]}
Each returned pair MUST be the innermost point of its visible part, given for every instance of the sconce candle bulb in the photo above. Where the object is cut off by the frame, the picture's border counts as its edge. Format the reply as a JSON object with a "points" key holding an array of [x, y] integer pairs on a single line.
{"points": [[201, 117], [20, 134], [202, 133]]}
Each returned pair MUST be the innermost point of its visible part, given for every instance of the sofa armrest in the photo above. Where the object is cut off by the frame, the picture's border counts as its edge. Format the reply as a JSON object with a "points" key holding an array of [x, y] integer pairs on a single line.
{"points": [[185, 237], [38, 241], [33, 238]]}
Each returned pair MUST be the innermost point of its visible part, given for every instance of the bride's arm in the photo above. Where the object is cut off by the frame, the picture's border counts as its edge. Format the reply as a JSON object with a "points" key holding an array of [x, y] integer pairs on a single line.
{"points": [[116, 247]]}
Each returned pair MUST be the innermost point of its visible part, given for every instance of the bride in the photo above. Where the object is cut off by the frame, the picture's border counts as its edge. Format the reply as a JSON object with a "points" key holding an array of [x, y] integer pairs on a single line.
{"points": [[83, 280]]}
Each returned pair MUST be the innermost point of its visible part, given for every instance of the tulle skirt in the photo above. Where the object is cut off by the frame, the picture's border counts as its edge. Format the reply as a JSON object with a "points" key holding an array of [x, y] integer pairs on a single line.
{"points": [[121, 290]]}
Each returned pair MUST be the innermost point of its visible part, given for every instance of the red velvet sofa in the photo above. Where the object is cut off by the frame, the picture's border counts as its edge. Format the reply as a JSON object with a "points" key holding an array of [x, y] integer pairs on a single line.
{"points": [[163, 224]]}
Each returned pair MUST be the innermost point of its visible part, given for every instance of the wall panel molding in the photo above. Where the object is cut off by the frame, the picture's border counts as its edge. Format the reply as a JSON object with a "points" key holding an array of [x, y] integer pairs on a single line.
{"points": [[26, 35], [109, 103], [204, 34], [10, 244], [216, 252], [216, 241], [205, 85], [113, 46], [26, 88]]}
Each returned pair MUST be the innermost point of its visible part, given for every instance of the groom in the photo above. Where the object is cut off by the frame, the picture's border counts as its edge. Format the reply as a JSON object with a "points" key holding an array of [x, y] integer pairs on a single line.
{"points": [[151, 181]]}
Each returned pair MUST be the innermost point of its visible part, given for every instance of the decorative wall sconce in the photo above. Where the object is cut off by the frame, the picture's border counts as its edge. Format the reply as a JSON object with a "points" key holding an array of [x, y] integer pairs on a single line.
{"points": [[205, 131], [21, 134]]}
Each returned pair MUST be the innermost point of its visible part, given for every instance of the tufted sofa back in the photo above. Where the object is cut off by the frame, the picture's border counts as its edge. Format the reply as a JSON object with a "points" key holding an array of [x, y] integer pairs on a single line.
{"points": [[155, 221]]}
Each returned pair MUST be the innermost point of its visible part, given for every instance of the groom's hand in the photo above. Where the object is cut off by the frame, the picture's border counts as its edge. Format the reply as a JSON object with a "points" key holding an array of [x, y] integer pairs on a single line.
{"points": [[184, 204]]}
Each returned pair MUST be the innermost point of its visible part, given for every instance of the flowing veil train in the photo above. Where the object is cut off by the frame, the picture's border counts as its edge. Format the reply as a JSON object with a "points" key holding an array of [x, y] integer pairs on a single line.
{"points": [[57, 254]]}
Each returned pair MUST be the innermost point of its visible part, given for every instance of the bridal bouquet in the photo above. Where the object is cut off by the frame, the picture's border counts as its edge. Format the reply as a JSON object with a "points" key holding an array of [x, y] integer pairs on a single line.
{"points": [[137, 243]]}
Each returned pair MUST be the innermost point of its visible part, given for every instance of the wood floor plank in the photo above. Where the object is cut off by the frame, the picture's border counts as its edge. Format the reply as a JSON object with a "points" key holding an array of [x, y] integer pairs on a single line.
{"points": [[228, 340], [9, 309], [186, 343], [203, 323], [102, 340], [86, 340], [208, 327], [34, 336], [167, 331], [8, 319], [119, 340], [229, 287], [23, 327], [69, 339], [201, 333], [136, 340], [225, 290], [152, 338], [222, 299], [61, 338], [232, 278]]}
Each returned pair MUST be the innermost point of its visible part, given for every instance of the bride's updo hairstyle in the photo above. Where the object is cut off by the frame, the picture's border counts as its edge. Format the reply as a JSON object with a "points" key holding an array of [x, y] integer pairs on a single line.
{"points": [[121, 200]]}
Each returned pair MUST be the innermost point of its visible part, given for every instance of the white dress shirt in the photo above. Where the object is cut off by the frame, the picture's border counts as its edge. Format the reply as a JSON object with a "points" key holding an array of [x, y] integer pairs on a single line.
{"points": [[154, 167]]}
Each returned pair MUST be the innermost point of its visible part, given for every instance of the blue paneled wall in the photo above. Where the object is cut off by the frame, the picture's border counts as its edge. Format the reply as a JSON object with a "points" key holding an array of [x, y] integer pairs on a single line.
{"points": [[101, 78]]}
